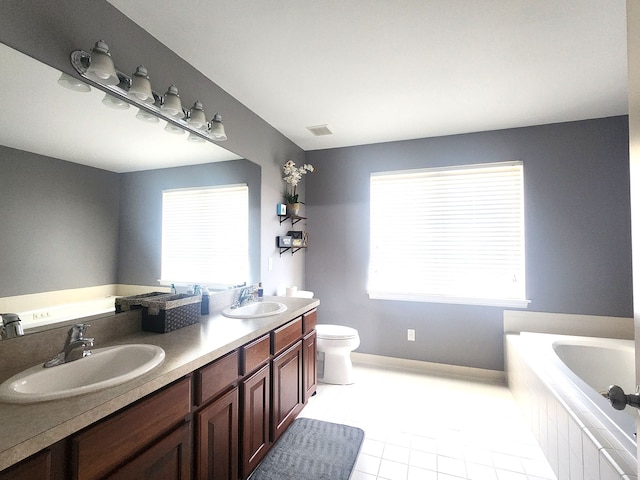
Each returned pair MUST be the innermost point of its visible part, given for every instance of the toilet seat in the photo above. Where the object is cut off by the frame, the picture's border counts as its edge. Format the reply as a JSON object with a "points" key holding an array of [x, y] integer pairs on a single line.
{"points": [[335, 332]]}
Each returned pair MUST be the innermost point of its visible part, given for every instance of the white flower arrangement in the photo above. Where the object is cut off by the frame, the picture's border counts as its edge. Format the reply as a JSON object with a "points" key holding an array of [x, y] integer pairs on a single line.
{"points": [[293, 175]]}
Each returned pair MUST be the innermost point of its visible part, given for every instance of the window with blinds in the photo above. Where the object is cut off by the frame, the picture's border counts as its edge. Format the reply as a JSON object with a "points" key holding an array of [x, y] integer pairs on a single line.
{"points": [[452, 235], [205, 235]]}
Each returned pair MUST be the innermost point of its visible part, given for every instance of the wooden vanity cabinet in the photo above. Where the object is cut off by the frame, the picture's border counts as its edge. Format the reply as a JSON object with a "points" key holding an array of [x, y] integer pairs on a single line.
{"points": [[255, 419], [169, 458], [217, 422], [47, 464], [217, 438], [148, 437], [287, 388], [309, 366], [309, 354]]}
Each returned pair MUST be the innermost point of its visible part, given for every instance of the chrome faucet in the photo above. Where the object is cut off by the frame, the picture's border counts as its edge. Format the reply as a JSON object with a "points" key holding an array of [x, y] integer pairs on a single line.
{"points": [[246, 295], [76, 346], [11, 326]]}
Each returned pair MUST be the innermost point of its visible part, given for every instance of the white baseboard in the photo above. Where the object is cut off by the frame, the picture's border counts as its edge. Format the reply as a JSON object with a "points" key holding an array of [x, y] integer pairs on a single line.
{"points": [[441, 369]]}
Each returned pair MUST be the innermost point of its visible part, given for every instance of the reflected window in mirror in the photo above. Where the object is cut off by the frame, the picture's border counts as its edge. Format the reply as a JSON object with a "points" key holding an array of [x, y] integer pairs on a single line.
{"points": [[205, 235]]}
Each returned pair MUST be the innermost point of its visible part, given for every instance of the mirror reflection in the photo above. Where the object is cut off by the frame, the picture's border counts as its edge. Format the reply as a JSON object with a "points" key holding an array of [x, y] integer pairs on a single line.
{"points": [[42, 117], [81, 192]]}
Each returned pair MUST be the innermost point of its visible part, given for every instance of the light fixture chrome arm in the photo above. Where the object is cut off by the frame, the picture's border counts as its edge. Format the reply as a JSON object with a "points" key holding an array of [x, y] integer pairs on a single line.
{"points": [[213, 131]]}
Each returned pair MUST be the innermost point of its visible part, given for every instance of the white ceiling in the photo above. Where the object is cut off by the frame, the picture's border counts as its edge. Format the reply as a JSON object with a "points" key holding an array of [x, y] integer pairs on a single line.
{"points": [[382, 70]]}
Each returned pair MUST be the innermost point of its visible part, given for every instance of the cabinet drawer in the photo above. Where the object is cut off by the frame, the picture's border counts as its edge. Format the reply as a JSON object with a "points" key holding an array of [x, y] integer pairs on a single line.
{"points": [[286, 335], [106, 445], [254, 354], [170, 458], [216, 377], [309, 321]]}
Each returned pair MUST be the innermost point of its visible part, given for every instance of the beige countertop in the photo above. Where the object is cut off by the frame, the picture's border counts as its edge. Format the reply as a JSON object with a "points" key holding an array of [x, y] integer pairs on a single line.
{"points": [[27, 429]]}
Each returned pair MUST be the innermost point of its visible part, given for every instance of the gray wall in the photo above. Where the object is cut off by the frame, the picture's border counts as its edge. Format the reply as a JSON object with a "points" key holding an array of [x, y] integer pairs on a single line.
{"points": [[58, 224], [578, 240], [49, 31], [140, 239]]}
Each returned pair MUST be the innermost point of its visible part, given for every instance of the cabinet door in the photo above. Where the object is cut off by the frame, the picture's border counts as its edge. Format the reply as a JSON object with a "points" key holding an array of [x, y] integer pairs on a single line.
{"points": [[48, 464], [217, 436], [287, 388], [168, 459], [256, 406], [309, 366]]}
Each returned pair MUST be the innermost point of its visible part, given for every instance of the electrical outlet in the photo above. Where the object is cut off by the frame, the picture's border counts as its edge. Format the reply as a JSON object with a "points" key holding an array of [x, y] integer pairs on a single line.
{"points": [[411, 335]]}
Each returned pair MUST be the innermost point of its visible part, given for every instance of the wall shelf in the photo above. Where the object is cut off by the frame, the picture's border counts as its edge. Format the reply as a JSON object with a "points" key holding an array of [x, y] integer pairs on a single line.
{"points": [[294, 218], [293, 249]]}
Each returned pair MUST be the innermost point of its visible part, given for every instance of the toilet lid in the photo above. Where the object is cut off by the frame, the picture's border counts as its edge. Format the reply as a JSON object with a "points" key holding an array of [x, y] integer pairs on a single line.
{"points": [[335, 331]]}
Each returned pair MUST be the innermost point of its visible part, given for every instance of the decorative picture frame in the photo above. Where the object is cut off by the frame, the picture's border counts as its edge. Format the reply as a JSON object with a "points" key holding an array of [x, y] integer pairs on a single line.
{"points": [[284, 241]]}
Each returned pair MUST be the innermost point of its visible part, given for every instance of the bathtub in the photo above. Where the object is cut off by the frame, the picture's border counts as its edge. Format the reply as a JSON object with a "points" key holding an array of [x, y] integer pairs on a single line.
{"points": [[556, 380], [70, 311]]}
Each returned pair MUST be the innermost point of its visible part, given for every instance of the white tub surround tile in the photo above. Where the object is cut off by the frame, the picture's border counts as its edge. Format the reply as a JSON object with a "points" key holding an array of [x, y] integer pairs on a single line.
{"points": [[569, 429]]}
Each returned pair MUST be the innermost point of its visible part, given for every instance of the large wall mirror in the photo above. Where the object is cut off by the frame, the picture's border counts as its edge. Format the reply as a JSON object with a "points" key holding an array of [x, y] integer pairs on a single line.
{"points": [[81, 186]]}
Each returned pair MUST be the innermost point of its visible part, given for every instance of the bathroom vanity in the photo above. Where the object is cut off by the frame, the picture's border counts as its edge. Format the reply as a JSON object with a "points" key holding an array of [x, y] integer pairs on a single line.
{"points": [[227, 390]]}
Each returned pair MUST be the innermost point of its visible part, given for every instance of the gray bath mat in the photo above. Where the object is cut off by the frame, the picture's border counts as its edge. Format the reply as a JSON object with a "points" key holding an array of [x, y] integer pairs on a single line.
{"points": [[312, 450]]}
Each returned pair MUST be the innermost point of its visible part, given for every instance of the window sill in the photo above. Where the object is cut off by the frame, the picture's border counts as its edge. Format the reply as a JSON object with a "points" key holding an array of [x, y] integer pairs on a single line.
{"points": [[485, 302]]}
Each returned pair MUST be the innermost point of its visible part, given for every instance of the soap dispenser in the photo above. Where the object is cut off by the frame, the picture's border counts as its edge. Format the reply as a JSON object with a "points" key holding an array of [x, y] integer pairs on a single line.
{"points": [[204, 303]]}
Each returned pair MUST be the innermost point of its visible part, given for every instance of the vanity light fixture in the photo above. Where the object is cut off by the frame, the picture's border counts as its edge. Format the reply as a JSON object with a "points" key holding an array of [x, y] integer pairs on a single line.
{"points": [[195, 138], [147, 117], [97, 67], [114, 102], [100, 68], [141, 85], [217, 128], [171, 128], [197, 118], [171, 104], [72, 83]]}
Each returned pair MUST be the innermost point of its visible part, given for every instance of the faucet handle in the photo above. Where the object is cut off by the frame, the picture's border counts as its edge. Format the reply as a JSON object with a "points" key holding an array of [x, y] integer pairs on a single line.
{"points": [[77, 331]]}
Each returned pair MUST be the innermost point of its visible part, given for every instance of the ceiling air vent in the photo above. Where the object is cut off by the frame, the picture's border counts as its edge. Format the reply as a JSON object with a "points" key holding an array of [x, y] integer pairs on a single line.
{"points": [[320, 130]]}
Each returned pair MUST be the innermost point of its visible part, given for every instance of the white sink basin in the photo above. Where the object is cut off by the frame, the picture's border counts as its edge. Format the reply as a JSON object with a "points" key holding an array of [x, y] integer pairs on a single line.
{"points": [[255, 310], [106, 367]]}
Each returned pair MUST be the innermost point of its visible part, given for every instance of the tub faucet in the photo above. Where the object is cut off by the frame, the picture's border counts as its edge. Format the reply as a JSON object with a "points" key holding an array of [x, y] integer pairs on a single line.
{"points": [[76, 346], [619, 399]]}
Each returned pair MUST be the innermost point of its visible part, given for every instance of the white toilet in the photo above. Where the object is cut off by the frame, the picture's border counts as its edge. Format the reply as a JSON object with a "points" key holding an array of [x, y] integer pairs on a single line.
{"points": [[335, 344]]}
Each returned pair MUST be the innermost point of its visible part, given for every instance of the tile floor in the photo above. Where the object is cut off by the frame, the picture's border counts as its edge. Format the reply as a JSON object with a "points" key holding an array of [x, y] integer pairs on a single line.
{"points": [[422, 427]]}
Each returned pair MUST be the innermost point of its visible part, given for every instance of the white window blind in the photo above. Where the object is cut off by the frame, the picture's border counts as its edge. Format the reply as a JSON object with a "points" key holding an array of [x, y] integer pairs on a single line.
{"points": [[205, 235], [453, 235]]}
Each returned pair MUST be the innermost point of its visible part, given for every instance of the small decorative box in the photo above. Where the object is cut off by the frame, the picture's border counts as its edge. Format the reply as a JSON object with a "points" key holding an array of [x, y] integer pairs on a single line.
{"points": [[281, 209]]}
